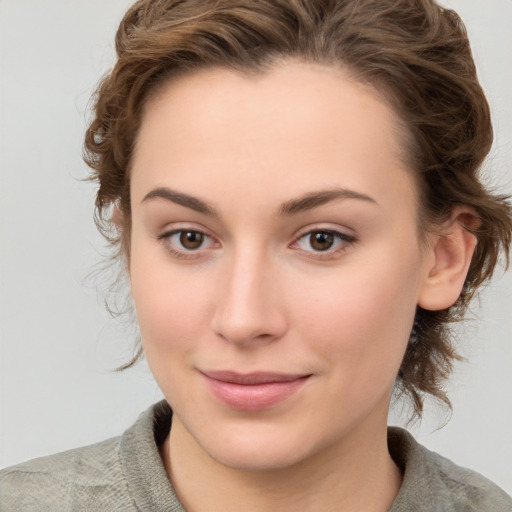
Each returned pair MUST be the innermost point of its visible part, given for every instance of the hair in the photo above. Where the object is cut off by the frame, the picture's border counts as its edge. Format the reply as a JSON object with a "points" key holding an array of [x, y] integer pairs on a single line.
{"points": [[414, 50]]}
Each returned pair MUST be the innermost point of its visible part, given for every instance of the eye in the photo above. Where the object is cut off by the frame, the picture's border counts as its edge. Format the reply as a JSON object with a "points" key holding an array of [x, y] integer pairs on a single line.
{"points": [[186, 242], [324, 241], [190, 240], [320, 240]]}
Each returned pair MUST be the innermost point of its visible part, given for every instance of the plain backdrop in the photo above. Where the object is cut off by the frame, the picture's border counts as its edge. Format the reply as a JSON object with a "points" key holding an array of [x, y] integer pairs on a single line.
{"points": [[58, 345]]}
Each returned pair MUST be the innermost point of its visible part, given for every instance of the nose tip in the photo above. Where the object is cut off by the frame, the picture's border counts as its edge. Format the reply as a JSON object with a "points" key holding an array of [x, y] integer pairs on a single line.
{"points": [[245, 319], [242, 334], [248, 309]]}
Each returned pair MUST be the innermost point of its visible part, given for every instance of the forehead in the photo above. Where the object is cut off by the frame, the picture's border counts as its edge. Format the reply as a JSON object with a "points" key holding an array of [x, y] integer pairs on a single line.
{"points": [[296, 126]]}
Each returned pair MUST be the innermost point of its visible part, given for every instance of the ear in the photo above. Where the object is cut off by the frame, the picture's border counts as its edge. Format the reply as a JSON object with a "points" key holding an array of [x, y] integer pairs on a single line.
{"points": [[117, 217], [448, 261]]}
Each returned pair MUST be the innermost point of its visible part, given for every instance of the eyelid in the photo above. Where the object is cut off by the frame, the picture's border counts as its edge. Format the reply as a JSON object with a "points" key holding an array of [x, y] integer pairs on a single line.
{"points": [[348, 240], [165, 235], [329, 228]]}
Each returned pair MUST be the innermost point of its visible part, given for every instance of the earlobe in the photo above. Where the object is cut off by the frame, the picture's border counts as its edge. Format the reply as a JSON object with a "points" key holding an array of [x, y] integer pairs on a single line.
{"points": [[451, 252]]}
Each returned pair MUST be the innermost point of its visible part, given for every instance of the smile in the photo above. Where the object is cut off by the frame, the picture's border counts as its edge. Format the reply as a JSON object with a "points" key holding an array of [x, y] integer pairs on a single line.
{"points": [[255, 391]]}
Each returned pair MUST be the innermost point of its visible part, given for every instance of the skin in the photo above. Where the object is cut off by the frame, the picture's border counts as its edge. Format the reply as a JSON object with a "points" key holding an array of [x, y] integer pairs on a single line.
{"points": [[258, 295]]}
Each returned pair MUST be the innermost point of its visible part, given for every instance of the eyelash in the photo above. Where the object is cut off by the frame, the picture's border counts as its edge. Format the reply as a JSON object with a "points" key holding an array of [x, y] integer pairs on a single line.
{"points": [[165, 239], [344, 240]]}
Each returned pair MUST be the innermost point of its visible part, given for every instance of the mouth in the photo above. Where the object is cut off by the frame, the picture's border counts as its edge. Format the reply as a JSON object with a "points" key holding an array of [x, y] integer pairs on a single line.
{"points": [[254, 391]]}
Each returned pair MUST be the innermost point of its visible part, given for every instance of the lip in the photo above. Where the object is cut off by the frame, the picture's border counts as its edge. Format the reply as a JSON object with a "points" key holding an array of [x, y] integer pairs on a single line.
{"points": [[253, 391]]}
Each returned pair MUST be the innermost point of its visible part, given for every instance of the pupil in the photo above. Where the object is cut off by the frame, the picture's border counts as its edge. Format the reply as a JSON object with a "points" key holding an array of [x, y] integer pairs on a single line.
{"points": [[191, 239], [321, 241]]}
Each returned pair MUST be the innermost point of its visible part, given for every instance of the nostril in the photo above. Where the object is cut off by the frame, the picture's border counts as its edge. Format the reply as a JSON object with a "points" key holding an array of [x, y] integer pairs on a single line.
{"points": [[244, 338]]}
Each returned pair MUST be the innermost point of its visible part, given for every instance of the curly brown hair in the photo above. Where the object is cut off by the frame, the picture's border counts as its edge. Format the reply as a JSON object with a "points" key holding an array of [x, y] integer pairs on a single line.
{"points": [[415, 51]]}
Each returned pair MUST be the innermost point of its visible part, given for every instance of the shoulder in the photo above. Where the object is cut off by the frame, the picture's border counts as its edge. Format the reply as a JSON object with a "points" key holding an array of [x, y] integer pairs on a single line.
{"points": [[432, 482], [121, 474], [81, 479], [469, 490]]}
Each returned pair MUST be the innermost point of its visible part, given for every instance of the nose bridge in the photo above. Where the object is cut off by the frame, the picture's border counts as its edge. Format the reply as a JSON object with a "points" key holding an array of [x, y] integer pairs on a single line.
{"points": [[248, 307]]}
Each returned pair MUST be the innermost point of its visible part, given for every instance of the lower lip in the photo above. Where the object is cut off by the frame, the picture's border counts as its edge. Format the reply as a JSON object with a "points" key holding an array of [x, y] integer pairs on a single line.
{"points": [[254, 397]]}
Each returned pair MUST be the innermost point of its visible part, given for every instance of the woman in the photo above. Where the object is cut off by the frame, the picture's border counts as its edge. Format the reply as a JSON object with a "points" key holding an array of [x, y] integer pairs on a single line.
{"points": [[295, 193]]}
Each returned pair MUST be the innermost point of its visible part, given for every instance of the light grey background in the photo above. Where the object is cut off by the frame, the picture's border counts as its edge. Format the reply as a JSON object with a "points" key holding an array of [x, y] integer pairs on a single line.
{"points": [[58, 344]]}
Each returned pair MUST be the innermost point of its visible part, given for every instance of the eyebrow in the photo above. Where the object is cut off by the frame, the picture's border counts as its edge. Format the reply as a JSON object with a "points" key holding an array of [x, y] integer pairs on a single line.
{"points": [[314, 199], [292, 207], [182, 199]]}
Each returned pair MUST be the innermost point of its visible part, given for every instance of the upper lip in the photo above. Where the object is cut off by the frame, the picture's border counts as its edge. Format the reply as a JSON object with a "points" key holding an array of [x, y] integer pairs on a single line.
{"points": [[253, 378]]}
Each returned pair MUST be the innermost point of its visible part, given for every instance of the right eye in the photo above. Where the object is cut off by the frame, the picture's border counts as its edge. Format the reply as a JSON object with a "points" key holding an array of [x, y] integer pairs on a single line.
{"points": [[189, 240], [186, 242]]}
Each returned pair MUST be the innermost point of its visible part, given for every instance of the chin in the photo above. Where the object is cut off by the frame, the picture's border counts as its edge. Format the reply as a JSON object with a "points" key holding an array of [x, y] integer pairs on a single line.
{"points": [[254, 457], [258, 447]]}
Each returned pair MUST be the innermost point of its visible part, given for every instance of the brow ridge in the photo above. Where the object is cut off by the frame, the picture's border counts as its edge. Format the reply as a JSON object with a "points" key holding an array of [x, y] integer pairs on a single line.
{"points": [[314, 199], [181, 199], [304, 203]]}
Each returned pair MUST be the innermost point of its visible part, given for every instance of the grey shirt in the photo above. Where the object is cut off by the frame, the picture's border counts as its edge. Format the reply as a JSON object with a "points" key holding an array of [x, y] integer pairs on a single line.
{"points": [[127, 474]]}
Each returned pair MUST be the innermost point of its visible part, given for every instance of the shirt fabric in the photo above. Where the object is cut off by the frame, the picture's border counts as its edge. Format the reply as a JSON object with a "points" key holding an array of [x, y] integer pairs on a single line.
{"points": [[127, 474]]}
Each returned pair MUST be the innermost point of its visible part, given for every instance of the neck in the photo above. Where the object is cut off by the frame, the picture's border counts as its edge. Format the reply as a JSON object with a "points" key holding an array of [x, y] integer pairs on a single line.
{"points": [[357, 475]]}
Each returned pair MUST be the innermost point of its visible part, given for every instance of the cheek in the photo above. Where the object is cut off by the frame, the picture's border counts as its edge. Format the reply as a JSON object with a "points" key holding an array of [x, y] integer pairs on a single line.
{"points": [[171, 306], [361, 318]]}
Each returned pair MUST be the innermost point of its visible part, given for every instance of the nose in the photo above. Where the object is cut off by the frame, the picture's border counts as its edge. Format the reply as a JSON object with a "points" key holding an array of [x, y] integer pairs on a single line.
{"points": [[249, 308]]}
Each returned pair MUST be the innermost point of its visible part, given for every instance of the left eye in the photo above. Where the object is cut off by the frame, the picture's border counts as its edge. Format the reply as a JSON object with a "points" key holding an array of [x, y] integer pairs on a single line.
{"points": [[323, 240]]}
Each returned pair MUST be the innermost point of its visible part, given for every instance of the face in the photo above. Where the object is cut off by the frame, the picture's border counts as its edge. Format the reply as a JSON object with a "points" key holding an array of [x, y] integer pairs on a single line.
{"points": [[275, 263]]}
